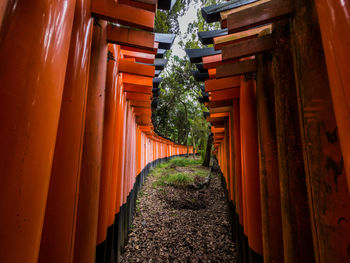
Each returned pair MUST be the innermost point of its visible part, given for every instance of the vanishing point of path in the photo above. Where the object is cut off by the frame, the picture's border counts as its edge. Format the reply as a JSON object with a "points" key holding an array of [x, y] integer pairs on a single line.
{"points": [[180, 224]]}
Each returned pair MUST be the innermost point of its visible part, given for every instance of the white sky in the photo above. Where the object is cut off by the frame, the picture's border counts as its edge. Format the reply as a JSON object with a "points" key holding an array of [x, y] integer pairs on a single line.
{"points": [[184, 20]]}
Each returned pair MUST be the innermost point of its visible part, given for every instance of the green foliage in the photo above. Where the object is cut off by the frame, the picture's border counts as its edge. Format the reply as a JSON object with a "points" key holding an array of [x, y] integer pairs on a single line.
{"points": [[179, 115], [167, 175], [183, 161]]}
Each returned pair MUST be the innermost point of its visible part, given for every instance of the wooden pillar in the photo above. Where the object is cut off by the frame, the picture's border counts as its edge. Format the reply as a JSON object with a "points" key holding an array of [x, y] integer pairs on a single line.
{"points": [[61, 214], [250, 168], [268, 162], [60, 218], [31, 83], [297, 238], [107, 155], [227, 159], [3, 9], [88, 208], [334, 20], [326, 181], [238, 180]]}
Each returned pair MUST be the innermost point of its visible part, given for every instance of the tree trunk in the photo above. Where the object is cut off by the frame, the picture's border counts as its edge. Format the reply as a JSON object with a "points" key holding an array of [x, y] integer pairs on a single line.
{"points": [[206, 161]]}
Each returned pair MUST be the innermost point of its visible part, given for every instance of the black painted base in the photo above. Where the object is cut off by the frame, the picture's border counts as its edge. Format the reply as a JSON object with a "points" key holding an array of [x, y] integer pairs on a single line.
{"points": [[245, 254], [110, 250]]}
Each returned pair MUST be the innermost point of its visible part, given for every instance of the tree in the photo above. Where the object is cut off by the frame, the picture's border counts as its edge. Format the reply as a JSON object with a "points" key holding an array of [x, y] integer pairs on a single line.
{"points": [[179, 115]]}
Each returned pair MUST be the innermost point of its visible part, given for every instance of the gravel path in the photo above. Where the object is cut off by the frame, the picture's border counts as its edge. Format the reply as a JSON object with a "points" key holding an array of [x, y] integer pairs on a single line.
{"points": [[180, 225]]}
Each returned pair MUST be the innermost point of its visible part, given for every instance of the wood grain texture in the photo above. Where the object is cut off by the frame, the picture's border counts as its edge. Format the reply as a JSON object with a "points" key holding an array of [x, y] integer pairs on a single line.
{"points": [[247, 48], [268, 165], [265, 13], [235, 69], [326, 179], [128, 37], [297, 237]]}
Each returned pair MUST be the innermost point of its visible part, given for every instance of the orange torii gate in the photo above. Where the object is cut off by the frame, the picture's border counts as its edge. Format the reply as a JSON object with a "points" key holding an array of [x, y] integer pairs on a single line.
{"points": [[276, 125], [76, 133]]}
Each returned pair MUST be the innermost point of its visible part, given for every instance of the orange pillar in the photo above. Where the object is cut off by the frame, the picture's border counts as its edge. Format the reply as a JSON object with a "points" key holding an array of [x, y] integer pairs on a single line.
{"points": [[328, 195], [94, 124], [250, 167], [238, 178], [3, 10], [60, 217], [334, 20], [107, 155], [34, 53]]}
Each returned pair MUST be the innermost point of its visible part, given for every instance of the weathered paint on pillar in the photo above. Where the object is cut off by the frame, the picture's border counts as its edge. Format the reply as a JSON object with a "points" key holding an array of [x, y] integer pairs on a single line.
{"points": [[334, 20], [297, 238], [268, 162], [326, 181]]}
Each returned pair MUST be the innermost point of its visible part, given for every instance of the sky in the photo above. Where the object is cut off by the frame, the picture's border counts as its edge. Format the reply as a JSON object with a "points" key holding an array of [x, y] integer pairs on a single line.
{"points": [[184, 20]]}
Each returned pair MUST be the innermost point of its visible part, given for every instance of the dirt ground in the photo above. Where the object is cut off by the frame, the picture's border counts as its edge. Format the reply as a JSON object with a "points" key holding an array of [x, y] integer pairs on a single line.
{"points": [[180, 225]]}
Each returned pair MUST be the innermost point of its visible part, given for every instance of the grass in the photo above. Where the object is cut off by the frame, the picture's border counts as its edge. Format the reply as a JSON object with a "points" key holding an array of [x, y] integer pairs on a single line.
{"points": [[166, 174], [184, 161]]}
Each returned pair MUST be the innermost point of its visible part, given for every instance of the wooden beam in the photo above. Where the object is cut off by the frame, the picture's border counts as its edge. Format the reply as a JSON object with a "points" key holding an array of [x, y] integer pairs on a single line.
{"points": [[212, 13], [136, 80], [265, 13], [139, 56], [212, 73], [232, 93], [142, 50], [236, 69], [138, 96], [211, 61], [220, 109], [123, 14], [146, 5], [218, 119], [247, 48], [225, 14], [214, 129], [135, 68], [137, 89], [140, 104], [221, 84], [222, 41], [129, 37], [219, 114], [216, 104]]}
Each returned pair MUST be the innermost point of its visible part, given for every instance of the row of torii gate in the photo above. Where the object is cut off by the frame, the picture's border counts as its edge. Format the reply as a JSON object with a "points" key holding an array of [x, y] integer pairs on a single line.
{"points": [[77, 86], [277, 89], [76, 137]]}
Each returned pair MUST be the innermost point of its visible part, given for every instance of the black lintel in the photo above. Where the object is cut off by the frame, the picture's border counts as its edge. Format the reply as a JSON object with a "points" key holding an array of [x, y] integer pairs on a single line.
{"points": [[201, 68], [206, 114], [160, 53], [166, 4], [165, 40], [160, 63], [212, 13], [196, 54], [157, 72], [200, 76], [157, 81], [207, 37]]}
